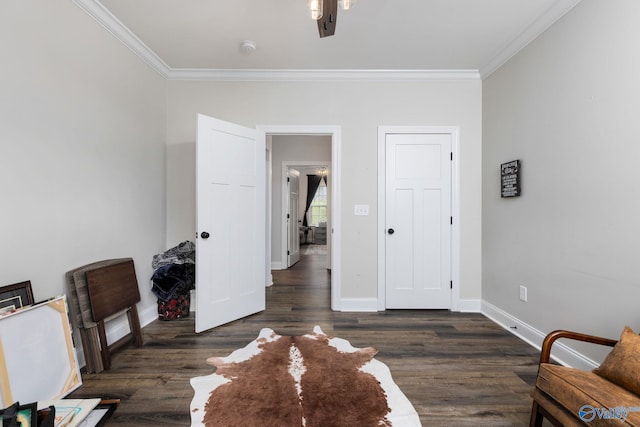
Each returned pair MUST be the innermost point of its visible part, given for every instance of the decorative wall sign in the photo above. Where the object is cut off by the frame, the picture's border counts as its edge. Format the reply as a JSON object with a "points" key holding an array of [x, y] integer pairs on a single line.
{"points": [[510, 178]]}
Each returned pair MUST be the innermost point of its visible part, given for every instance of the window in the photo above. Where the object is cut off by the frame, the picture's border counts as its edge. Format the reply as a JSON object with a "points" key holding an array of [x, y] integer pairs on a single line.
{"points": [[318, 208]]}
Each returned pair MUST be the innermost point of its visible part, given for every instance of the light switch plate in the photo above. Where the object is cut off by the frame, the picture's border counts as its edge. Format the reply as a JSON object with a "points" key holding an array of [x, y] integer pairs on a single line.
{"points": [[361, 210]]}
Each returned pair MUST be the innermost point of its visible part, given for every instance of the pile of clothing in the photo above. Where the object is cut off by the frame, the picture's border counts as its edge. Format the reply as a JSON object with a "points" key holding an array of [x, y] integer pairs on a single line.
{"points": [[173, 279]]}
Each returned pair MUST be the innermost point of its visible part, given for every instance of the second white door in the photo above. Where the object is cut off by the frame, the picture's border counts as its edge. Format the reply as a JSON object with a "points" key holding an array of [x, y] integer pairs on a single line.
{"points": [[418, 220], [293, 238]]}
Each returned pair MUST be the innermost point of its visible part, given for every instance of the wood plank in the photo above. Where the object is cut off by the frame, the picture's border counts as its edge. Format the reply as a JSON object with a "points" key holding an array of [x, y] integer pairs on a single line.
{"points": [[457, 369], [112, 289]]}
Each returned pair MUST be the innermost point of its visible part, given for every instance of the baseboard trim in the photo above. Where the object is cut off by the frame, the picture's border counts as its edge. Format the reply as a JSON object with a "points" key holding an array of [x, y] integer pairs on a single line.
{"points": [[277, 265], [119, 328], [470, 305], [359, 304], [561, 353], [148, 315], [371, 304]]}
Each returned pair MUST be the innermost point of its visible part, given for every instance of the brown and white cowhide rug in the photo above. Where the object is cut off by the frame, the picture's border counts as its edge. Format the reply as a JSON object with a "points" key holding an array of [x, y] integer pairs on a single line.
{"points": [[312, 380]]}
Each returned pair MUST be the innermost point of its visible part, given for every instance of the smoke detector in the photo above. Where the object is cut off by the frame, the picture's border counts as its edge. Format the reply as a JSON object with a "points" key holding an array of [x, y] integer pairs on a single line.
{"points": [[247, 47]]}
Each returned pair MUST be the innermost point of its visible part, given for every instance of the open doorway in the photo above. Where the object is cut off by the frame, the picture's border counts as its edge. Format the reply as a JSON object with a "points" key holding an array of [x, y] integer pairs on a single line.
{"points": [[306, 210], [303, 152]]}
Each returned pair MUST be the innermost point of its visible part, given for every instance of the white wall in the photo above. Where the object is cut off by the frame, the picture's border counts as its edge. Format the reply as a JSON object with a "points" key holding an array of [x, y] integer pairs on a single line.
{"points": [[359, 108], [567, 106], [287, 148], [82, 153]]}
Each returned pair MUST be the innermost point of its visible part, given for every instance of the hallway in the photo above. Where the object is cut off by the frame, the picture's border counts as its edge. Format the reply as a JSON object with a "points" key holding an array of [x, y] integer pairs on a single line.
{"points": [[302, 294]]}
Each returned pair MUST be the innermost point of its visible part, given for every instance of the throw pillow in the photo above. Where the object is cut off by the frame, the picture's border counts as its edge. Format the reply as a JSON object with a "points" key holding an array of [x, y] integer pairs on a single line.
{"points": [[622, 365]]}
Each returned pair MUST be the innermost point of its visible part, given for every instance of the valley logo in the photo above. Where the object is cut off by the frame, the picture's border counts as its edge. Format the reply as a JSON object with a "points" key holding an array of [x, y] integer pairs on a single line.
{"points": [[589, 413]]}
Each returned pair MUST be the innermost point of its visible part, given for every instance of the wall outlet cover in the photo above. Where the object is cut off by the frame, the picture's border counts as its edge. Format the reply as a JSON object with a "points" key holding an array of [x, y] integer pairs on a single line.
{"points": [[361, 210], [523, 293]]}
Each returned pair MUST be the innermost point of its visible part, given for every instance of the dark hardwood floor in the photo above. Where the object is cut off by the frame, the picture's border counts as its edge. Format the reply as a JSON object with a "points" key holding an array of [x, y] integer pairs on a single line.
{"points": [[458, 369]]}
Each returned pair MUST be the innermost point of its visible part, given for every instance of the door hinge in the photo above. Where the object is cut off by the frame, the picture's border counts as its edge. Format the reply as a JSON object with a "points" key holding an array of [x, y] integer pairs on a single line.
{"points": [[288, 179], [288, 216], [451, 284], [288, 253], [451, 220], [452, 156]]}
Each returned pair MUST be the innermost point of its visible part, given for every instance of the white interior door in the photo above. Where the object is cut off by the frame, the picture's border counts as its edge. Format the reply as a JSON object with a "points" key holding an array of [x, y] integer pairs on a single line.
{"points": [[418, 221], [293, 238], [230, 248]]}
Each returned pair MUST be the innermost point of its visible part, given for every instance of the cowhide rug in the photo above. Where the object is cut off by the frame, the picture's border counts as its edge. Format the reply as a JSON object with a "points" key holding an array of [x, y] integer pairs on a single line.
{"points": [[312, 380]]}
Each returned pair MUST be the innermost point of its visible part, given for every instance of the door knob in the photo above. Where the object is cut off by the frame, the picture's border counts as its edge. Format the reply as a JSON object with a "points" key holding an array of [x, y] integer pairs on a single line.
{"points": [[204, 235], [391, 231]]}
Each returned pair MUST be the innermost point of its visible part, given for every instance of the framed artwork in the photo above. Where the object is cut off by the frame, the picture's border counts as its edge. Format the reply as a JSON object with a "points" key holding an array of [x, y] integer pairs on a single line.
{"points": [[15, 296], [101, 413], [44, 366], [26, 415]]}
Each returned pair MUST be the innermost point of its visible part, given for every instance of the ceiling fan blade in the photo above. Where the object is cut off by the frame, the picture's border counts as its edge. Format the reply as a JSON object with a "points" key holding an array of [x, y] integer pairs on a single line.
{"points": [[327, 24]]}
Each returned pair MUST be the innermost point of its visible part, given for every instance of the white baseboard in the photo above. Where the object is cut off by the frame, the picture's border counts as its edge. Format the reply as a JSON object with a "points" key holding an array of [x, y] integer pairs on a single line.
{"points": [[148, 315], [119, 327], [277, 265], [79, 353], [470, 305], [561, 353], [359, 304]]}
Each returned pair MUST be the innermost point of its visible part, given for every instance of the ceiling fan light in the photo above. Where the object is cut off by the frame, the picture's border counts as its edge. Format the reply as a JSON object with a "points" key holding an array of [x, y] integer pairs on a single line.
{"points": [[347, 4], [315, 8]]}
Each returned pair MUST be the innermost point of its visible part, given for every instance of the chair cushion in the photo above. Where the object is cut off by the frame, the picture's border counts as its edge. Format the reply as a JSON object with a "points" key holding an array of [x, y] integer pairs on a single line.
{"points": [[599, 399], [622, 364]]}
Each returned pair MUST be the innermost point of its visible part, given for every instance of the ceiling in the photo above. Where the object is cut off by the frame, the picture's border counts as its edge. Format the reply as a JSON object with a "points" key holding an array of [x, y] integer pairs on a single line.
{"points": [[201, 38]]}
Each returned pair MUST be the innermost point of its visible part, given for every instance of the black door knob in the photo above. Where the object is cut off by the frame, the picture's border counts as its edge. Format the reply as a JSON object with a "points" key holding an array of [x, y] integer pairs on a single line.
{"points": [[391, 231], [204, 235]]}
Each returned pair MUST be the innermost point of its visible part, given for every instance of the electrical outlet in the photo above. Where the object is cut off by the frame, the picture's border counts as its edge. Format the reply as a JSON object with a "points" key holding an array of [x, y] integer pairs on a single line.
{"points": [[523, 293]]}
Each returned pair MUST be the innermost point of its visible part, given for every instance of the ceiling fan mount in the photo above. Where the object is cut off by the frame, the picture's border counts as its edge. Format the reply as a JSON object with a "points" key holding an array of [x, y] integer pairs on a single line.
{"points": [[327, 23]]}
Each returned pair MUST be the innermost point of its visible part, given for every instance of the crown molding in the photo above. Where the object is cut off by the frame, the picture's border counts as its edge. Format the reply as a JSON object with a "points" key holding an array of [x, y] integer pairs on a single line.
{"points": [[540, 25], [249, 75], [97, 11]]}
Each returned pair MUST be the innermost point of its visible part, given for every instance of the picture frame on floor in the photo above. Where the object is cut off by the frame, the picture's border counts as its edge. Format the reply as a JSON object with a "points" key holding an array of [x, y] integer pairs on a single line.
{"points": [[25, 415], [13, 297], [101, 413]]}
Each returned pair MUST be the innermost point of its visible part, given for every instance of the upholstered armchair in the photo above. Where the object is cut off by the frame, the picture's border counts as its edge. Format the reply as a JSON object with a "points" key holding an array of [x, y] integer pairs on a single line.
{"points": [[573, 397]]}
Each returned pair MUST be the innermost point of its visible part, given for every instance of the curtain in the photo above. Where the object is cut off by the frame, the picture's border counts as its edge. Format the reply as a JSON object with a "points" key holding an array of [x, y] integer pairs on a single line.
{"points": [[313, 182]]}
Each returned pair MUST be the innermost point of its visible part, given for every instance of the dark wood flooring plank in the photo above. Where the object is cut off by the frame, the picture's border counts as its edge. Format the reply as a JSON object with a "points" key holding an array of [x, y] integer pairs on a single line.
{"points": [[458, 369]]}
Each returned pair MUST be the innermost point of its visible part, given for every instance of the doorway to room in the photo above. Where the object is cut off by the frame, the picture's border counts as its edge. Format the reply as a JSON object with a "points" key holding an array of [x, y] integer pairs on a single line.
{"points": [[306, 211], [307, 150], [234, 167]]}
